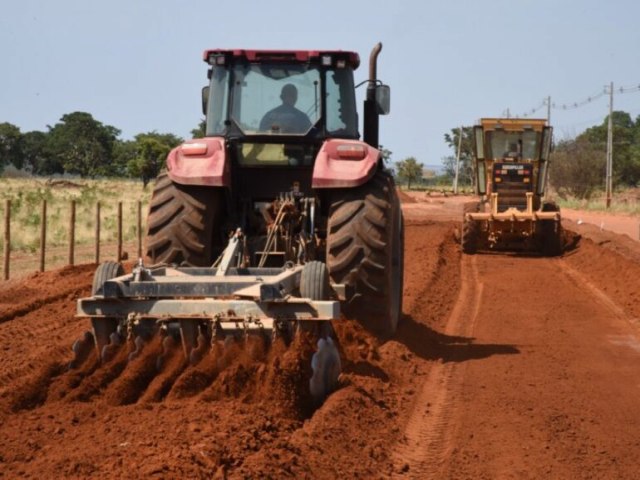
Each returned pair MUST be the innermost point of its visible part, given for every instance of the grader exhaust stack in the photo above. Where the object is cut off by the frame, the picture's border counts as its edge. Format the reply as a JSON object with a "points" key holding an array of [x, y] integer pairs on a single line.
{"points": [[511, 167]]}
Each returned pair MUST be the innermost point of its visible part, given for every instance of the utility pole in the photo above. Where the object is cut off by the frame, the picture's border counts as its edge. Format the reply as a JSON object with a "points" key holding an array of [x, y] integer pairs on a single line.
{"points": [[549, 110], [455, 179], [609, 182]]}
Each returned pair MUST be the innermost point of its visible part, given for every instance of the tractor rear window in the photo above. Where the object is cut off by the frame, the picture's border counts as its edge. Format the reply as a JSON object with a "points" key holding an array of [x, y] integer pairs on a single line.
{"points": [[278, 99]]}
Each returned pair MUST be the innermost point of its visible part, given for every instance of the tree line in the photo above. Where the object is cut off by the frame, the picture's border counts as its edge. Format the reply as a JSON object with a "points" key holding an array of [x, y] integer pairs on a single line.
{"points": [[81, 145]]}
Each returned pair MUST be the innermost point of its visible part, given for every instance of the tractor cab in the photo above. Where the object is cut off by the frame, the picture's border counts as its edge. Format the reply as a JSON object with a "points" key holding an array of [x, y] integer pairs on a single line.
{"points": [[277, 115], [281, 94]]}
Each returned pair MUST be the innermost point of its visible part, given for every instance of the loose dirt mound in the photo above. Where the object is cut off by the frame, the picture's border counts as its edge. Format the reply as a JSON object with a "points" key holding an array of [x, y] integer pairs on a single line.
{"points": [[405, 197]]}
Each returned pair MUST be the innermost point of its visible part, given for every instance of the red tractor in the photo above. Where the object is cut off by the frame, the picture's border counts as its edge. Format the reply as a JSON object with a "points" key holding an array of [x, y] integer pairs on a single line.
{"points": [[280, 205], [347, 210]]}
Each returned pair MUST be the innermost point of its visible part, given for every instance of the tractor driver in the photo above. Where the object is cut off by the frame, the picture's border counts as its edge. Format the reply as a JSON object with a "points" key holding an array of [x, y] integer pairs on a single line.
{"points": [[286, 118], [514, 150]]}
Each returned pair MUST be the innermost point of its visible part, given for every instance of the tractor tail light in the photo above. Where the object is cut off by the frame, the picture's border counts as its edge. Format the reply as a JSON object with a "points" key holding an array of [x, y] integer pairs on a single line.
{"points": [[351, 152], [194, 148]]}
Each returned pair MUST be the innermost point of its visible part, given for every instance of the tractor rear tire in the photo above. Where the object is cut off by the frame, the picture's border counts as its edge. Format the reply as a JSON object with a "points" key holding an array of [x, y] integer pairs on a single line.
{"points": [[184, 223], [365, 244]]}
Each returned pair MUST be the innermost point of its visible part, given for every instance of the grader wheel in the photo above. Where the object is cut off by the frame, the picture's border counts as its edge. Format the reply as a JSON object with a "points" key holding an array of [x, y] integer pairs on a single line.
{"points": [[551, 232], [470, 231]]}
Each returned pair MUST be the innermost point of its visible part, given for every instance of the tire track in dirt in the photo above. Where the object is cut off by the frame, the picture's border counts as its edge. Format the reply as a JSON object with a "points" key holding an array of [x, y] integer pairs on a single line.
{"points": [[429, 429]]}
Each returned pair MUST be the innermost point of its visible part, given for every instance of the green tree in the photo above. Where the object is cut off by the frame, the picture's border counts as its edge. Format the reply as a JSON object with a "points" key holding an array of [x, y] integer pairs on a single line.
{"points": [[409, 170], [37, 155], [10, 146], [146, 154], [465, 172], [577, 168], [84, 145], [626, 133], [200, 130], [385, 153]]}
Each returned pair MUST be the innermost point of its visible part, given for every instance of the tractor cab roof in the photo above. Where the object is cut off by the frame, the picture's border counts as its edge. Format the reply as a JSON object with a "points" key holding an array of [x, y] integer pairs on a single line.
{"points": [[325, 57]]}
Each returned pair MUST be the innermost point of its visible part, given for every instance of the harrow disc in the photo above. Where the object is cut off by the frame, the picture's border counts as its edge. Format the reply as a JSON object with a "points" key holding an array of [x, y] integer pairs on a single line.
{"points": [[326, 367]]}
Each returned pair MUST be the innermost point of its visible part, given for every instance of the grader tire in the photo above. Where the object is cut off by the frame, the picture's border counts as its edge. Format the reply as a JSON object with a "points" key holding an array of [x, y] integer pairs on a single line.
{"points": [[469, 237], [470, 230], [365, 243], [551, 233], [183, 223]]}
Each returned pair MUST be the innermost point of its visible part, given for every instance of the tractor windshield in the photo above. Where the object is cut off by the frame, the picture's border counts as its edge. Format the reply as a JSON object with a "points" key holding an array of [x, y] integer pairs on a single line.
{"points": [[516, 146], [282, 99]]}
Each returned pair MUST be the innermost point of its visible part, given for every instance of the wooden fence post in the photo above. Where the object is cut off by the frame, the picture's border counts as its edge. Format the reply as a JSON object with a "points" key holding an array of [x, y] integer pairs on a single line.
{"points": [[72, 232], [7, 237], [43, 234], [97, 259], [119, 255], [139, 229]]}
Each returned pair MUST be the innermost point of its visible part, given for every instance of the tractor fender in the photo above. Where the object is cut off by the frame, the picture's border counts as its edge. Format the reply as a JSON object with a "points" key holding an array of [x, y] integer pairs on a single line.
{"points": [[342, 163], [201, 161]]}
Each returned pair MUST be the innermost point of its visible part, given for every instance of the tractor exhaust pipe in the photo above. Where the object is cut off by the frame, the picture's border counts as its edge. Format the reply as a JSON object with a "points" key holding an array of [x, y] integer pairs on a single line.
{"points": [[373, 64], [371, 115]]}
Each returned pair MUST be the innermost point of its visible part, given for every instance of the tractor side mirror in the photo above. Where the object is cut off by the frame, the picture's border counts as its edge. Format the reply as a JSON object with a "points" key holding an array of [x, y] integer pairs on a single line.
{"points": [[205, 99], [383, 99]]}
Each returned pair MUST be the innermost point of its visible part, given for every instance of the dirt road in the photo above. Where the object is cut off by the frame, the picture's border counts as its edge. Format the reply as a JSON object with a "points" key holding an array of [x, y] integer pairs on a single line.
{"points": [[503, 367]]}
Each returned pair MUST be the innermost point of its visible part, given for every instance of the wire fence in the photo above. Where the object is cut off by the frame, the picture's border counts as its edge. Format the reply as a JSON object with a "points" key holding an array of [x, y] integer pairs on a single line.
{"points": [[48, 255]]}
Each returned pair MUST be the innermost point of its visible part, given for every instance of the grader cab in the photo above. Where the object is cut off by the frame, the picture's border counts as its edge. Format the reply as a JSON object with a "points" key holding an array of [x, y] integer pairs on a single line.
{"points": [[511, 158]]}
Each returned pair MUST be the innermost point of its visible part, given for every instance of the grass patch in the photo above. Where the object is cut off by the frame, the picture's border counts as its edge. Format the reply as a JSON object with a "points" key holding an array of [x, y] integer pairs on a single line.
{"points": [[623, 202], [27, 194]]}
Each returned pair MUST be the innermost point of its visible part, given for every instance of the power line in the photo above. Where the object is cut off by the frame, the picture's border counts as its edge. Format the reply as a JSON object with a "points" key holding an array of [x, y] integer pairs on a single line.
{"points": [[630, 89], [535, 109], [582, 103], [585, 101]]}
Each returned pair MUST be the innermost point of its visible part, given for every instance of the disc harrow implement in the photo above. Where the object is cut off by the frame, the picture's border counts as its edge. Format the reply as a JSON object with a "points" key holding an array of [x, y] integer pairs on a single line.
{"points": [[200, 307]]}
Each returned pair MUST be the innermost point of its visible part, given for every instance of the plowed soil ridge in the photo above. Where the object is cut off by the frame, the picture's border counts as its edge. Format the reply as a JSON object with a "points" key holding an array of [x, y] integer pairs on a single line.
{"points": [[500, 369]]}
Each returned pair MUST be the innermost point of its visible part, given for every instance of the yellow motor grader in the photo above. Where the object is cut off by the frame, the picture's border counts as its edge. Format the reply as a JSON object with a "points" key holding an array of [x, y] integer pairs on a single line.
{"points": [[511, 160]]}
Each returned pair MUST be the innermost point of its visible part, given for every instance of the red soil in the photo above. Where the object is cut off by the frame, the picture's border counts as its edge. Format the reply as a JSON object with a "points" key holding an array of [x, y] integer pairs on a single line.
{"points": [[503, 366]]}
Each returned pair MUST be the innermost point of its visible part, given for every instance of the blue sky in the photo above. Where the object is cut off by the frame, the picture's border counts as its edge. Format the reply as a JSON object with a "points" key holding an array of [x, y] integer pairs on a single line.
{"points": [[137, 65]]}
